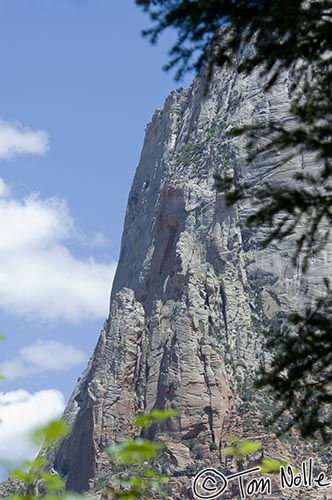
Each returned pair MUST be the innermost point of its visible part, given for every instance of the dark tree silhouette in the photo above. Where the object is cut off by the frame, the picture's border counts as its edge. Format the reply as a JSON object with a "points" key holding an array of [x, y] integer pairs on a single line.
{"points": [[293, 36]]}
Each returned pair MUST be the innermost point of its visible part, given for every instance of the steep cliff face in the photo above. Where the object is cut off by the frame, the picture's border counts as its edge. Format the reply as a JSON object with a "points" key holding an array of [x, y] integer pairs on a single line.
{"points": [[193, 287]]}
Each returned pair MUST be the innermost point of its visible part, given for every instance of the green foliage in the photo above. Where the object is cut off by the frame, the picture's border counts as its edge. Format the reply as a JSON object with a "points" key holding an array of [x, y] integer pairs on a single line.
{"points": [[154, 417], [137, 480], [134, 451], [135, 454], [242, 448], [36, 481], [34, 477], [271, 465], [51, 433], [191, 152], [136, 486]]}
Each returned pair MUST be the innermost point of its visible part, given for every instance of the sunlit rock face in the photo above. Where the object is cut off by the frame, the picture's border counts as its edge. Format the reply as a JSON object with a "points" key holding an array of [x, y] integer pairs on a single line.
{"points": [[193, 288]]}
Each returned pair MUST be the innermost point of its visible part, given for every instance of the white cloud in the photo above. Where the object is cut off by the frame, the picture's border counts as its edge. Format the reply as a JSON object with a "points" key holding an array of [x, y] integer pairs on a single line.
{"points": [[16, 140], [4, 189], [39, 276], [42, 356], [21, 413]]}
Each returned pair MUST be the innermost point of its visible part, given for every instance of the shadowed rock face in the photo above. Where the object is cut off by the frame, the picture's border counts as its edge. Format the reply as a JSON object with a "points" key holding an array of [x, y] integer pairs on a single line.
{"points": [[192, 285]]}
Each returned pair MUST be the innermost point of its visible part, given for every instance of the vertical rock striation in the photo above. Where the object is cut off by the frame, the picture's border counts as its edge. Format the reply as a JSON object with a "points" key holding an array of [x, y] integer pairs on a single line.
{"points": [[192, 286]]}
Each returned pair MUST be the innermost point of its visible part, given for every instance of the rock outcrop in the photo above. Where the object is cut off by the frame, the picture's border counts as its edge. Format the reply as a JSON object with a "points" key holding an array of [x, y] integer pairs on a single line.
{"points": [[192, 290]]}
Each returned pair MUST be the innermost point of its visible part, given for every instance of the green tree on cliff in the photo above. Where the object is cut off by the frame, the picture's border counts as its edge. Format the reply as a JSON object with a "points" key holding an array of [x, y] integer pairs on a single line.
{"points": [[293, 36]]}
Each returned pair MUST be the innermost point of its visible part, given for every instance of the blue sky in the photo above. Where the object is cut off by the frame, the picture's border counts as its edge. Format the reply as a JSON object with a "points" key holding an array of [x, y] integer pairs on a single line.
{"points": [[78, 86]]}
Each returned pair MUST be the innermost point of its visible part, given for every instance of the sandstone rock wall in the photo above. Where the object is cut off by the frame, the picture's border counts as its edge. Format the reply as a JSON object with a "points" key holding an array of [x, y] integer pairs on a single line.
{"points": [[193, 287]]}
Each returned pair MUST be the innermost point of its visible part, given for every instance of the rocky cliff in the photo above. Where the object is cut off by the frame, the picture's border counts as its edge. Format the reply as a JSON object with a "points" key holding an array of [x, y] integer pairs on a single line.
{"points": [[193, 289]]}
